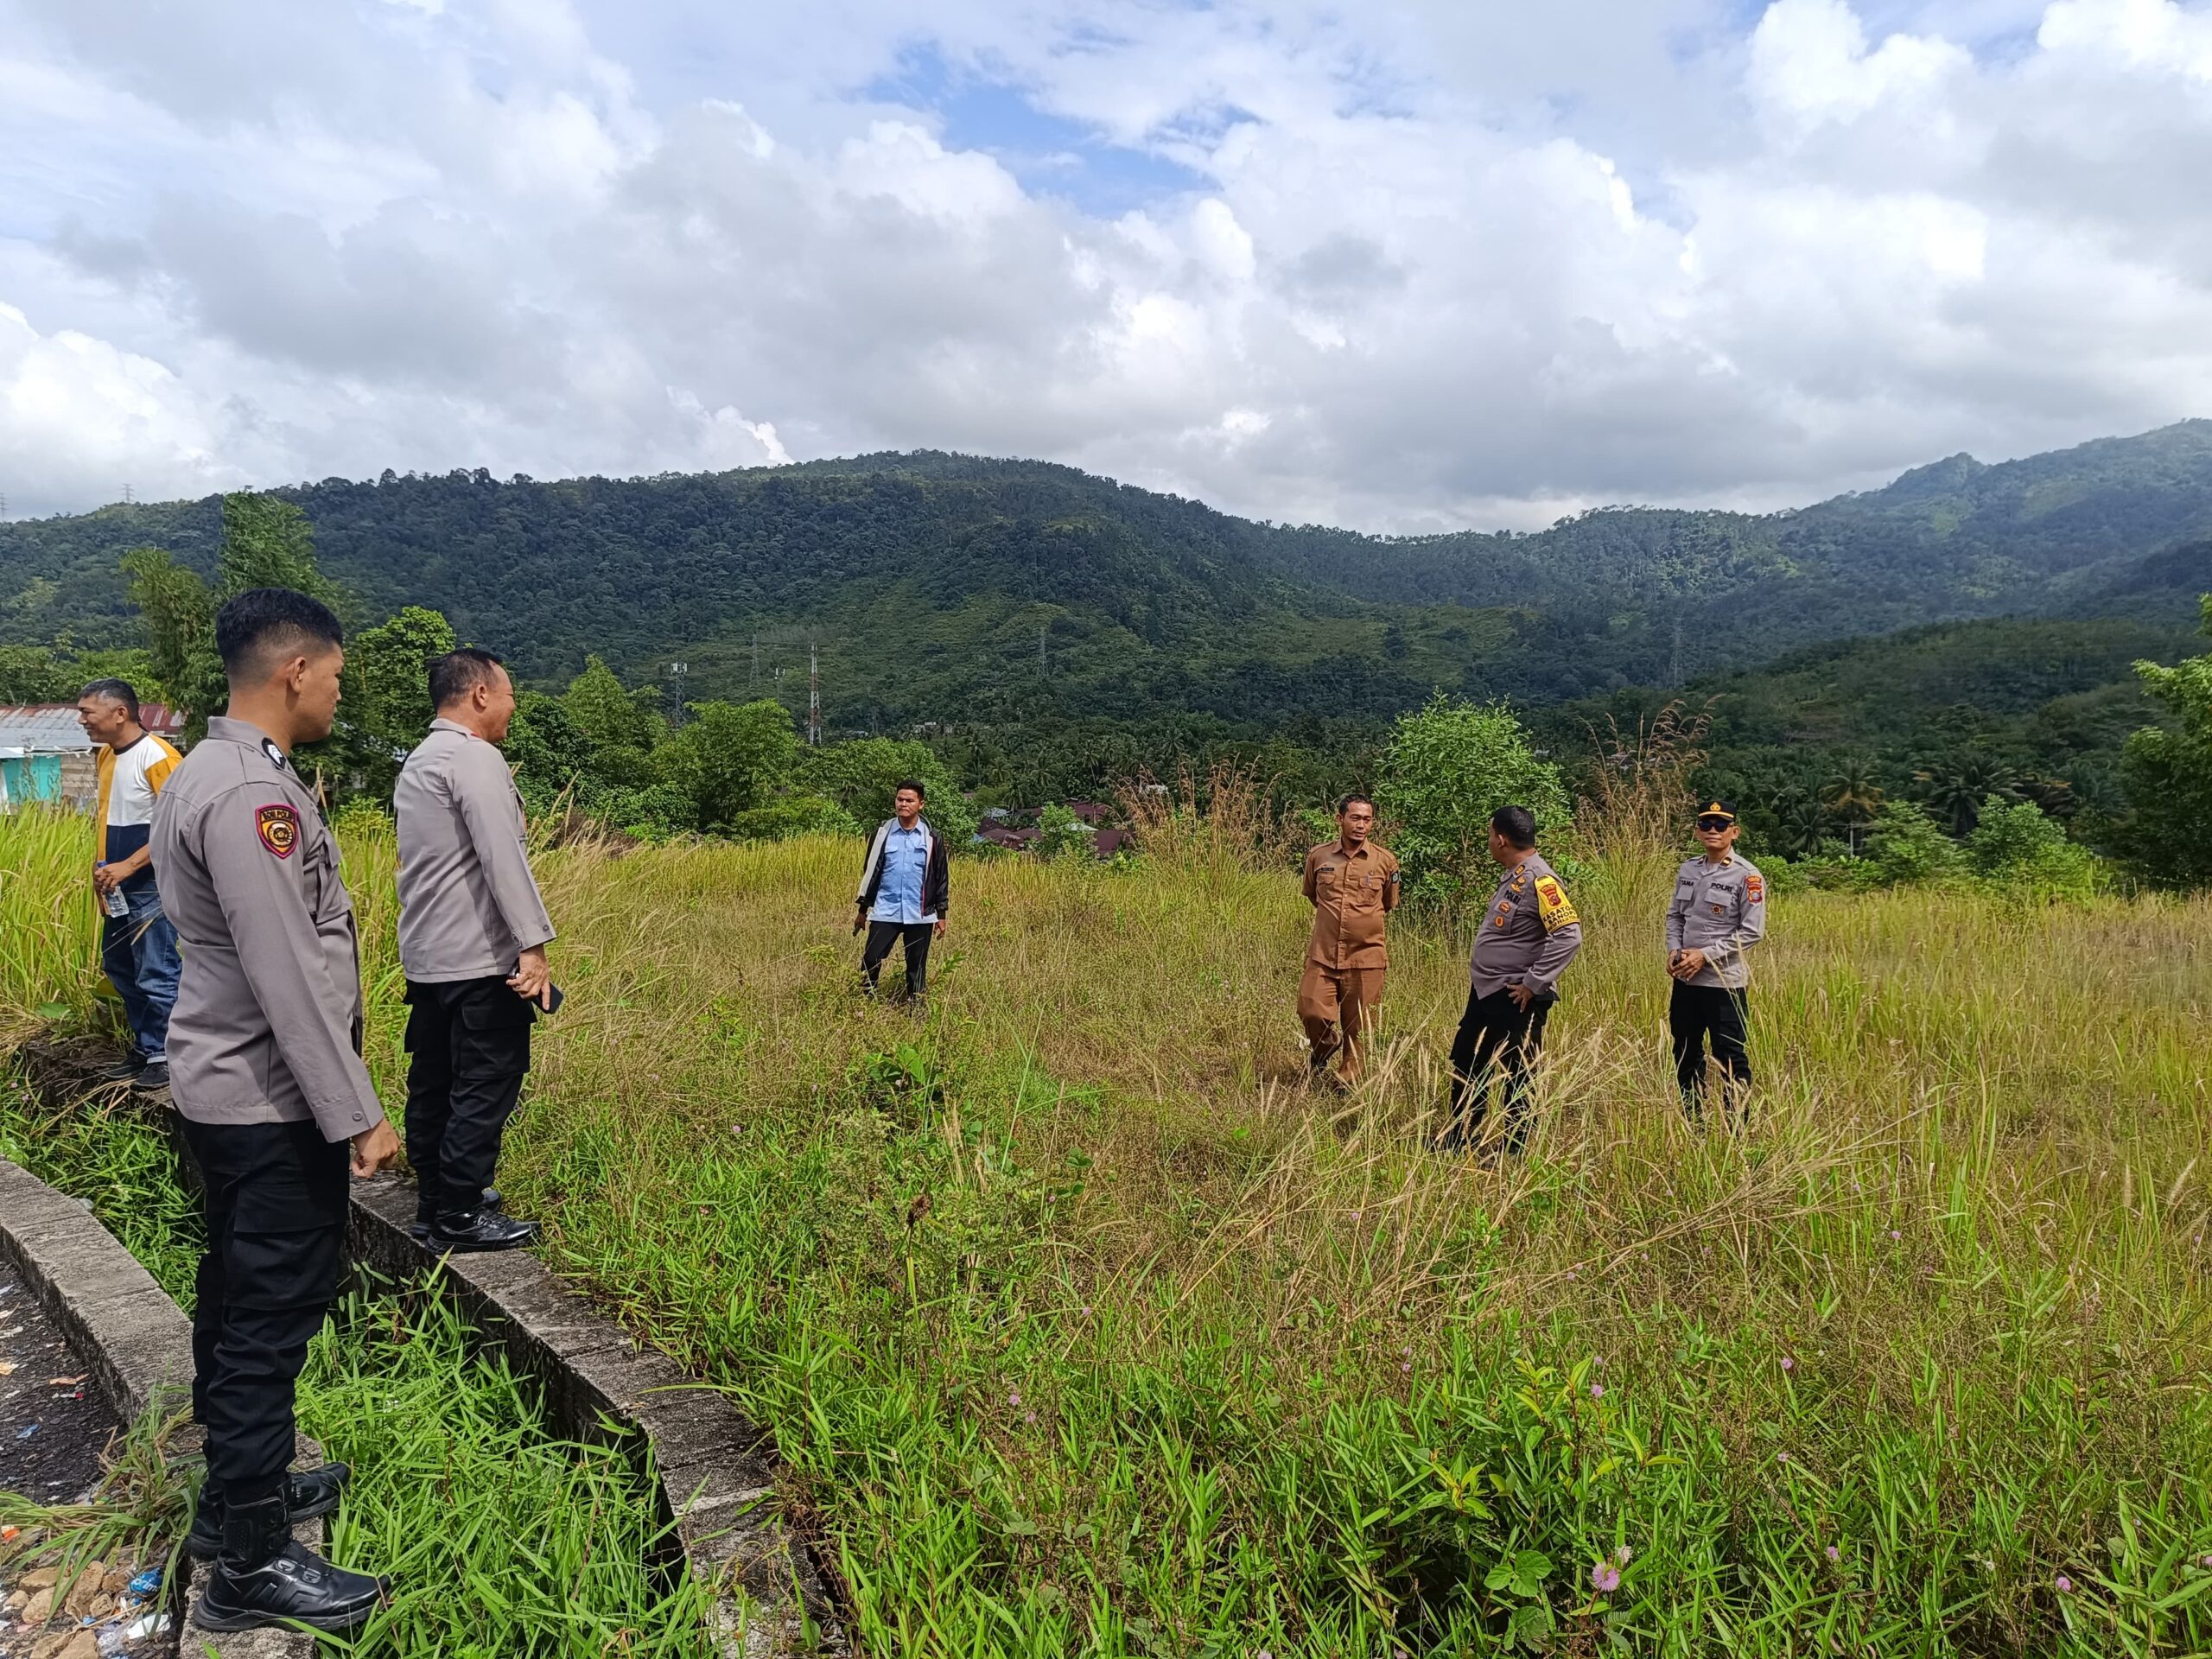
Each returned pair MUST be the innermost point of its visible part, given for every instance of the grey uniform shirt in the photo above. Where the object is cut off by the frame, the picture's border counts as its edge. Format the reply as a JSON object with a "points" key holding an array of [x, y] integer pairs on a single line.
{"points": [[1720, 909], [267, 1027], [468, 905], [1529, 933]]}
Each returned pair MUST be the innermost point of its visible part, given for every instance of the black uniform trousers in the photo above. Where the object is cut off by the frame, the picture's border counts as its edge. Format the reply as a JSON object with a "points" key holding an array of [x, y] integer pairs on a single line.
{"points": [[1702, 1012], [1494, 1035], [468, 1044], [275, 1198], [882, 936]]}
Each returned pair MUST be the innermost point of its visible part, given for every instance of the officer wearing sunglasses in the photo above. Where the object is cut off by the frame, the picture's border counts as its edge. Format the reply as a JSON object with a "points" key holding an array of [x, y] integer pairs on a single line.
{"points": [[1718, 913]]}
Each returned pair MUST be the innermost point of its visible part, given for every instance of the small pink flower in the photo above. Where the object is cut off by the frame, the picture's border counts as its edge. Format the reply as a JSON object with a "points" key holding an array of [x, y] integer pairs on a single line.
{"points": [[1781, 1456], [1028, 1416], [1895, 1234], [1606, 1577], [1787, 1363], [1834, 1555], [2065, 1585], [1086, 1310], [1013, 1396], [1597, 1390], [1406, 1366]]}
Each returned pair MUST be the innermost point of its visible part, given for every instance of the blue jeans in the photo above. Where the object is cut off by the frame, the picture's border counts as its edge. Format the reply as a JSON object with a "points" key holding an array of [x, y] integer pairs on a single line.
{"points": [[138, 952]]}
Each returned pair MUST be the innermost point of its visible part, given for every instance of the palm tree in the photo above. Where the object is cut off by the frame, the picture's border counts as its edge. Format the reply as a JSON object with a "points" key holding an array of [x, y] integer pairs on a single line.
{"points": [[1956, 787], [1853, 795], [1800, 827]]}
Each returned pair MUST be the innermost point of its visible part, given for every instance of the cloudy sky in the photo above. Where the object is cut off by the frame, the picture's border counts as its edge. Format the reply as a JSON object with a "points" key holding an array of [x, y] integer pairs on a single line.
{"points": [[1395, 264]]}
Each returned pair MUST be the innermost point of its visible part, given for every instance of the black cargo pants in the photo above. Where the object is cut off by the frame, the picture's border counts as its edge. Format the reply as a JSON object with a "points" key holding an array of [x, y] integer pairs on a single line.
{"points": [[1494, 1035], [275, 1198], [468, 1044], [1695, 1013]]}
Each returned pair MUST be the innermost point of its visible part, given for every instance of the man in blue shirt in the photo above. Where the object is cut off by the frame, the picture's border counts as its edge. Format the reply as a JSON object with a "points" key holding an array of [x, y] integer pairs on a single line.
{"points": [[903, 893]]}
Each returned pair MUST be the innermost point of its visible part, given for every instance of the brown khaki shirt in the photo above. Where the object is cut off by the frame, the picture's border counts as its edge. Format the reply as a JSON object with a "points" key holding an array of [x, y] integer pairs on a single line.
{"points": [[267, 1027], [1350, 893], [468, 906]]}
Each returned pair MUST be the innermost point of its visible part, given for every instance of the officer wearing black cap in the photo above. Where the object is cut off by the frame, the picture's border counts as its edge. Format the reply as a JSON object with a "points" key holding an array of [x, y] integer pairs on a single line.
{"points": [[265, 1070], [1718, 913]]}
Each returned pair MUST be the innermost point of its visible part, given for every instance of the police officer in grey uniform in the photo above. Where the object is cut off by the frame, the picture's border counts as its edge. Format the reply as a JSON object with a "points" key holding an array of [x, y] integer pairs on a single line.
{"points": [[473, 933], [1529, 933], [266, 1072], [1719, 912]]}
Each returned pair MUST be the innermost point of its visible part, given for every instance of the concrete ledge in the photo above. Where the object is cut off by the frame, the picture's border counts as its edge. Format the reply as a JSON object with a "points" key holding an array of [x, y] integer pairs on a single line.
{"points": [[714, 1468], [713, 1472], [137, 1343]]}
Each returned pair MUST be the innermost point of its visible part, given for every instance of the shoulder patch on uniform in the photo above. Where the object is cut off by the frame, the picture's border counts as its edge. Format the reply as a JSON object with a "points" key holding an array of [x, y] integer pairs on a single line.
{"points": [[279, 826], [276, 755], [1553, 905], [1755, 888]]}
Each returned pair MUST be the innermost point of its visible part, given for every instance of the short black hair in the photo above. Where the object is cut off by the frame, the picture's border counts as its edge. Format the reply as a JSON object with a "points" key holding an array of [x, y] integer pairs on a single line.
{"points": [[1346, 805], [120, 692], [1516, 823], [253, 627], [457, 673], [914, 783]]}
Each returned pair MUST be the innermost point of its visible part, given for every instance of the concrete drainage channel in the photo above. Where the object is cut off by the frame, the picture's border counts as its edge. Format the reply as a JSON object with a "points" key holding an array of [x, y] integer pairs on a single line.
{"points": [[714, 1471]]}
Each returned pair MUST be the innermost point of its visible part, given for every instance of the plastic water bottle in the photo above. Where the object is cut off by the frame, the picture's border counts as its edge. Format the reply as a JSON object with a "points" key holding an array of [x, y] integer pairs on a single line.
{"points": [[117, 905]]}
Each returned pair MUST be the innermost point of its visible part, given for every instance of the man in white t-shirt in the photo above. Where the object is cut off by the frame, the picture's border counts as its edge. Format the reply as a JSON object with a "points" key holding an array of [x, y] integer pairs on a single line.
{"points": [[137, 944]]}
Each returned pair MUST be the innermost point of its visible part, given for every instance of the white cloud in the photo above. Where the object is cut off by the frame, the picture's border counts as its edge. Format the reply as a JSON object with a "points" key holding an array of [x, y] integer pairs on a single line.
{"points": [[1430, 263]]}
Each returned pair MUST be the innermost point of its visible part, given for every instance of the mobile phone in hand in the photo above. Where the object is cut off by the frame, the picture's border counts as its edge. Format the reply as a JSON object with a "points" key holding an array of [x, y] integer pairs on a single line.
{"points": [[553, 999]]}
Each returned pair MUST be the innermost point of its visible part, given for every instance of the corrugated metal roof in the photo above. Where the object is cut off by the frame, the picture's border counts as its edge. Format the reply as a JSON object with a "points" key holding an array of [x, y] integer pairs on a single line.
{"points": [[52, 728], [43, 728]]}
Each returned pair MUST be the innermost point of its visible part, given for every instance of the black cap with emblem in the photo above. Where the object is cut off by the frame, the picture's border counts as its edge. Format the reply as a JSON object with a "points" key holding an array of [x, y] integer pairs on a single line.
{"points": [[1715, 815]]}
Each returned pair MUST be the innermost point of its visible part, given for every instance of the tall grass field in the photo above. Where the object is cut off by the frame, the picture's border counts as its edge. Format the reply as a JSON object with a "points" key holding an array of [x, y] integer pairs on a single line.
{"points": [[1083, 1325]]}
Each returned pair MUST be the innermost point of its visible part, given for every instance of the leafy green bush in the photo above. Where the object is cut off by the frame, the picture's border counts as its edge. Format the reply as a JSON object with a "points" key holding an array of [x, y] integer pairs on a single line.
{"points": [[1905, 846], [794, 815], [1444, 770], [2019, 849], [862, 777], [2167, 771]]}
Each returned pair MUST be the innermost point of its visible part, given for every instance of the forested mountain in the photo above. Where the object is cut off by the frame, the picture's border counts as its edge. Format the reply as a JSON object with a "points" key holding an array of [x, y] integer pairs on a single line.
{"points": [[954, 590]]}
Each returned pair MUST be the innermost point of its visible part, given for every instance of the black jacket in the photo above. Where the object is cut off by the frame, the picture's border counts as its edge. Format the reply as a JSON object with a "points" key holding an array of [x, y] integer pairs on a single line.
{"points": [[937, 874]]}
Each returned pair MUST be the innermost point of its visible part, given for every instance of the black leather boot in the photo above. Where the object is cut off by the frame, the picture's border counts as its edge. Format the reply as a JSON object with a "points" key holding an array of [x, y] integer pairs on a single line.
{"points": [[264, 1578], [307, 1494], [481, 1229]]}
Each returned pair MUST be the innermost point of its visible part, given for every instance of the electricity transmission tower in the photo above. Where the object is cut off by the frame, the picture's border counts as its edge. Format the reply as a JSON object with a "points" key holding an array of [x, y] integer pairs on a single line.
{"points": [[813, 698], [675, 671]]}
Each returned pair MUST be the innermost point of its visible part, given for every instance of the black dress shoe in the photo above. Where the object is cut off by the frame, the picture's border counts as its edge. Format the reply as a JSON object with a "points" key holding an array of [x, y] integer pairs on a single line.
{"points": [[481, 1229], [263, 1578], [153, 1078], [307, 1494], [124, 1069], [491, 1200]]}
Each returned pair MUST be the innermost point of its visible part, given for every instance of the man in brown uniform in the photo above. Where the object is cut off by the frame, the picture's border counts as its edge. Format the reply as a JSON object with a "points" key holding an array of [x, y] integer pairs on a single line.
{"points": [[1352, 885], [265, 1070]]}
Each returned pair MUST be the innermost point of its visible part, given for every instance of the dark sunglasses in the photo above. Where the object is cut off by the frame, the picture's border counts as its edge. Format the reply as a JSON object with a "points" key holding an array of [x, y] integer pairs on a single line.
{"points": [[1715, 823]]}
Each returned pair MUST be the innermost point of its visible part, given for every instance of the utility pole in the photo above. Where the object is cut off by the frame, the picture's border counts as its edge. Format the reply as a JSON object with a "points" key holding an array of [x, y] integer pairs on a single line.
{"points": [[675, 674], [813, 697]]}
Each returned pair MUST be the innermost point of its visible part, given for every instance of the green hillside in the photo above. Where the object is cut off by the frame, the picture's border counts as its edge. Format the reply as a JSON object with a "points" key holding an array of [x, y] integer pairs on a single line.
{"points": [[2034, 706], [929, 582]]}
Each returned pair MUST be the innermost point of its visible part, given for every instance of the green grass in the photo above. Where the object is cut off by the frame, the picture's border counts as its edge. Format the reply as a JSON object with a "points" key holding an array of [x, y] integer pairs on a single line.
{"points": [[501, 1539], [1082, 1328]]}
